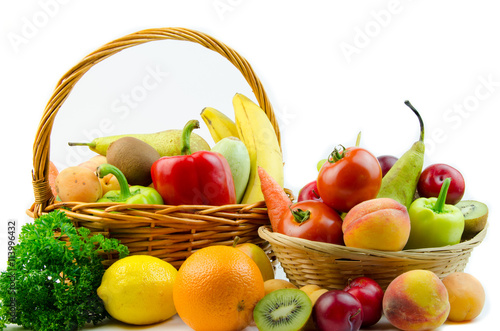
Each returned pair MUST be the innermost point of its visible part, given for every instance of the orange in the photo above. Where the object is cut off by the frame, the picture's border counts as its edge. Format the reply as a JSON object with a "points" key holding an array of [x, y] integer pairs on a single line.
{"points": [[217, 288]]}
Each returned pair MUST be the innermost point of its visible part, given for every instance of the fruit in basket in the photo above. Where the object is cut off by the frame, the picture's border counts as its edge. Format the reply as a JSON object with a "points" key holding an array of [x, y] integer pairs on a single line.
{"points": [[312, 220], [475, 217], [400, 182], [138, 290], [338, 310], [350, 176], [53, 172], [236, 154], [432, 178], [199, 178], [434, 223], [283, 310], [167, 142], [260, 257], [277, 201], [381, 223], [94, 162], [217, 288], [370, 295], [271, 285], [386, 163], [416, 300], [109, 183], [134, 158], [466, 296], [219, 124], [132, 195], [258, 135], [309, 192], [78, 184]]}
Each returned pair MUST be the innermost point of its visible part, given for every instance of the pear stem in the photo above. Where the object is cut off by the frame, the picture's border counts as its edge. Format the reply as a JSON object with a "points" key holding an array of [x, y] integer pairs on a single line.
{"points": [[419, 119], [92, 144]]}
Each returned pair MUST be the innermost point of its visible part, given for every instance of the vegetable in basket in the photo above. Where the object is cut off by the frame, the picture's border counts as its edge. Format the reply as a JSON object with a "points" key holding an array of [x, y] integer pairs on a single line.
{"points": [[131, 195], [434, 223], [200, 178], [51, 284]]}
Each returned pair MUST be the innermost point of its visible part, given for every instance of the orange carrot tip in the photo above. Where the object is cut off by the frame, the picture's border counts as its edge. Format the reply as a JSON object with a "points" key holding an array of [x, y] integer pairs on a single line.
{"points": [[277, 201]]}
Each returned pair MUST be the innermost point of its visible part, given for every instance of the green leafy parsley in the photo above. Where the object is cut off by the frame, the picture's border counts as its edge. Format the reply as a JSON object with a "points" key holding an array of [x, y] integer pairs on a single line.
{"points": [[51, 284]]}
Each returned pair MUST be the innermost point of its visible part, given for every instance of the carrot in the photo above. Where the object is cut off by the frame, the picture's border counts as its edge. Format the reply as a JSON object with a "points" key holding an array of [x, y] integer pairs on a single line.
{"points": [[277, 201]]}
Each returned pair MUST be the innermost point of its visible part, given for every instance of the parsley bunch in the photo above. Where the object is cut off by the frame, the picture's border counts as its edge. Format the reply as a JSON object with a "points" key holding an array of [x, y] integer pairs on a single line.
{"points": [[50, 285]]}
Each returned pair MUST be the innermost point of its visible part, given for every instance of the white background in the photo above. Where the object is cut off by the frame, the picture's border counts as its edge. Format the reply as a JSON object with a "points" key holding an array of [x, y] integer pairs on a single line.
{"points": [[330, 70]]}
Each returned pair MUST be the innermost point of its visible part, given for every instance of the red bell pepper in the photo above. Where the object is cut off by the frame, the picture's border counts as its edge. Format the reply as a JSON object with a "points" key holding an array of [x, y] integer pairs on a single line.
{"points": [[200, 178]]}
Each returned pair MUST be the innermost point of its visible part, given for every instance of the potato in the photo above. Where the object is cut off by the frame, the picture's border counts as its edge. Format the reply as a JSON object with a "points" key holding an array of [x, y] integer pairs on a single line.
{"points": [[78, 184]]}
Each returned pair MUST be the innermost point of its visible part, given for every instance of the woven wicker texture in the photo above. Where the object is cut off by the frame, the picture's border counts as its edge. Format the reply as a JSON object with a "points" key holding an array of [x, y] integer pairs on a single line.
{"points": [[331, 266], [168, 232]]}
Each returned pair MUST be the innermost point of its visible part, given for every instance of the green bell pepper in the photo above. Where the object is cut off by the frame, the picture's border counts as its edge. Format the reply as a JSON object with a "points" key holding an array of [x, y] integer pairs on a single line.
{"points": [[434, 223], [130, 195]]}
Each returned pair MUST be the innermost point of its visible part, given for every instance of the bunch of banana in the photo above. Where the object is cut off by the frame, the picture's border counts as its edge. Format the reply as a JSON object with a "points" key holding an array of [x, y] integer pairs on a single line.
{"points": [[258, 135], [219, 125], [255, 130]]}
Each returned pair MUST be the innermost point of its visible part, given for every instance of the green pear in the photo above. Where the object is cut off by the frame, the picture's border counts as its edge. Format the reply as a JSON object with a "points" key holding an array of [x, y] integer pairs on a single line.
{"points": [[401, 180], [166, 143], [236, 154]]}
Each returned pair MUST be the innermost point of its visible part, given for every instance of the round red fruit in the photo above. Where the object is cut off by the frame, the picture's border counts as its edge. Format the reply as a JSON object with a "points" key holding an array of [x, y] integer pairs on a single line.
{"points": [[337, 310], [370, 295], [432, 178]]}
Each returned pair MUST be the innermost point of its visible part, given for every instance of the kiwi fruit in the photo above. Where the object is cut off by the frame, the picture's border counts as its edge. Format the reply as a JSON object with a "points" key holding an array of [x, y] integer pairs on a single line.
{"points": [[475, 216], [134, 158], [286, 309]]}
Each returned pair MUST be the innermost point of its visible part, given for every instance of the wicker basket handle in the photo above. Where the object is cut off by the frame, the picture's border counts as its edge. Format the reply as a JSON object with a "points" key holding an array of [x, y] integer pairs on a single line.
{"points": [[41, 147]]}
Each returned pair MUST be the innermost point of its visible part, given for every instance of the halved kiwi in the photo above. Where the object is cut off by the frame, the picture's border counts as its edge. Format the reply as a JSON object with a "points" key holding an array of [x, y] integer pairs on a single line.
{"points": [[283, 310], [475, 215]]}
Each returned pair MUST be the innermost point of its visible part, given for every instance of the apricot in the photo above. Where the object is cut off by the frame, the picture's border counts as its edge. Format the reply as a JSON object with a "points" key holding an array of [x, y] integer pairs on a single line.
{"points": [[381, 224], [416, 300], [466, 295], [53, 172], [93, 162], [109, 183], [274, 284], [78, 184]]}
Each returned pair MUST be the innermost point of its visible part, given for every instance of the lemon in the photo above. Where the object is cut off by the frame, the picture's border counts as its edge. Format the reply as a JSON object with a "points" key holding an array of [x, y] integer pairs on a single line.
{"points": [[138, 290]]}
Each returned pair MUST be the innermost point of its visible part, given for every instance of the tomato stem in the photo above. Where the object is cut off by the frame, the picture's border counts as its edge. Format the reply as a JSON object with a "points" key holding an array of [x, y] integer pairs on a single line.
{"points": [[299, 215], [337, 154]]}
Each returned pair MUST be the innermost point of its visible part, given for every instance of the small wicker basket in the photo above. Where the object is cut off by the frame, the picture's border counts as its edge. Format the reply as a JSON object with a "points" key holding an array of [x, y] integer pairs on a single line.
{"points": [[171, 233], [331, 266]]}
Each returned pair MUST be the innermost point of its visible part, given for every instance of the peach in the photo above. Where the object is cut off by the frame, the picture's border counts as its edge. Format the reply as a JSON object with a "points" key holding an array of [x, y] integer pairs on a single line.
{"points": [[416, 300], [381, 224], [93, 162], [78, 184], [466, 295]]}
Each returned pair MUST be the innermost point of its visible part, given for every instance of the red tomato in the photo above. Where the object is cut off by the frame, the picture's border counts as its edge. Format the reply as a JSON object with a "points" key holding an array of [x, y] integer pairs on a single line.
{"points": [[313, 220], [350, 176]]}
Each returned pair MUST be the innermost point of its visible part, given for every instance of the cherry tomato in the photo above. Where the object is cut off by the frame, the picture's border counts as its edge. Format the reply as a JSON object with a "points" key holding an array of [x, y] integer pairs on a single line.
{"points": [[350, 176], [313, 220]]}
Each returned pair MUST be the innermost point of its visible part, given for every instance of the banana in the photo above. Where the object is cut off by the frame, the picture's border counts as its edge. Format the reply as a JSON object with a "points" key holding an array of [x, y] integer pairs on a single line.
{"points": [[219, 125], [258, 135]]}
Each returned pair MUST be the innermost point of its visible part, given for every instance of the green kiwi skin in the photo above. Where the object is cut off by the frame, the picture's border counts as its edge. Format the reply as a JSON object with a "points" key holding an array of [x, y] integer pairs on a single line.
{"points": [[475, 216], [269, 302]]}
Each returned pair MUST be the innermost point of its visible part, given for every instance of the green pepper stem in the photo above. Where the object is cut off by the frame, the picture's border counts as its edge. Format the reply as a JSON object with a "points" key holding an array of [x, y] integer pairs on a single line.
{"points": [[105, 169], [422, 131], [186, 136], [440, 202]]}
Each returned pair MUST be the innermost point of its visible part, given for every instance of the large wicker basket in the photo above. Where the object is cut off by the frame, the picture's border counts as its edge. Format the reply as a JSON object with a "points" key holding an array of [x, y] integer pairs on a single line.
{"points": [[331, 266], [171, 233]]}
